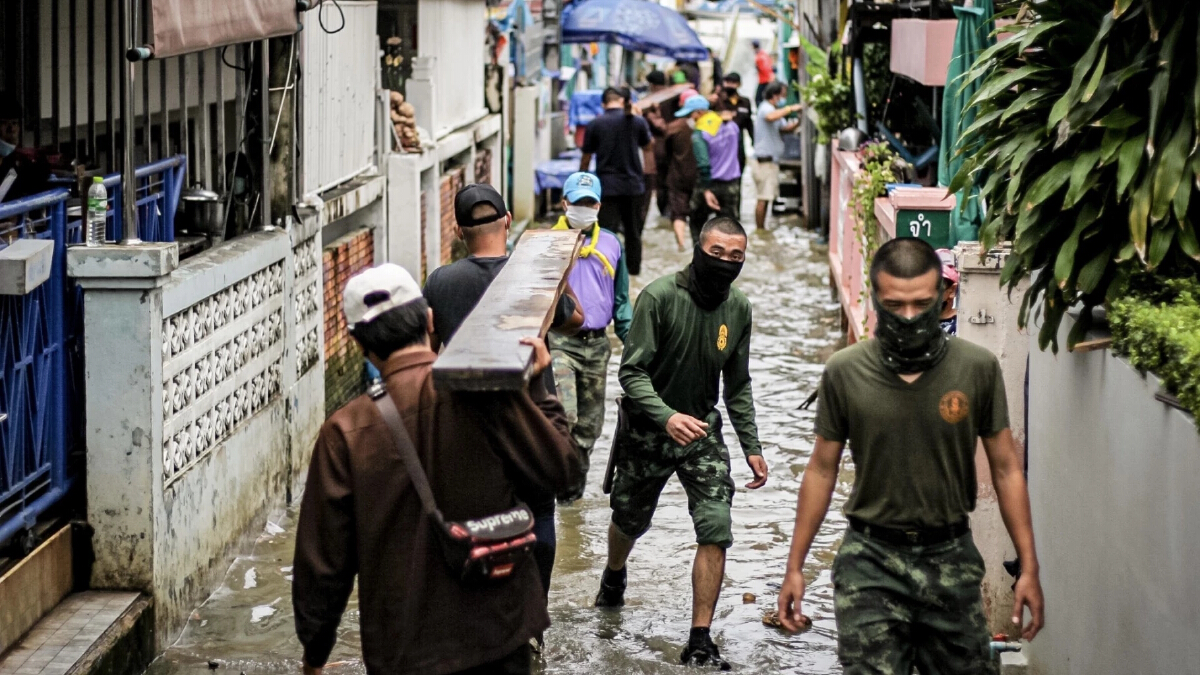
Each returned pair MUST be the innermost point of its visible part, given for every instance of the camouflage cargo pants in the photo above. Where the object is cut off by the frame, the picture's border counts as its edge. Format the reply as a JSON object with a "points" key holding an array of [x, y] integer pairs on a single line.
{"points": [[581, 373], [899, 607], [648, 457]]}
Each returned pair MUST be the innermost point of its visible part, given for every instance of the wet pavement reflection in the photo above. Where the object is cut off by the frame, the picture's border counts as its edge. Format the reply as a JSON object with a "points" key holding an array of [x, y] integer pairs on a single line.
{"points": [[246, 626]]}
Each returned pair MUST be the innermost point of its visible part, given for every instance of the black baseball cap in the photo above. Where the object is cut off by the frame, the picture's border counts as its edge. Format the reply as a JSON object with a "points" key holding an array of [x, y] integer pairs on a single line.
{"points": [[732, 77], [473, 195]]}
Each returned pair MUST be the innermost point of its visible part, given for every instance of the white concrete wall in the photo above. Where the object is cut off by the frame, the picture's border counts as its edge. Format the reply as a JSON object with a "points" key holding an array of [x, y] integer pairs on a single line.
{"points": [[1113, 477], [452, 33], [204, 394], [987, 316], [340, 72]]}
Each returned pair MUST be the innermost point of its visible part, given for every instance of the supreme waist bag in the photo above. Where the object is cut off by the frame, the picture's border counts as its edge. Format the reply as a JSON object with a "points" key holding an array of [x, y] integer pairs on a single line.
{"points": [[480, 550]]}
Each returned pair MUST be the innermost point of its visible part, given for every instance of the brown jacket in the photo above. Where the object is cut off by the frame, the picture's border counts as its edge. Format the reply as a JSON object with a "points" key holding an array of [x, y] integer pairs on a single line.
{"points": [[680, 170], [361, 516]]}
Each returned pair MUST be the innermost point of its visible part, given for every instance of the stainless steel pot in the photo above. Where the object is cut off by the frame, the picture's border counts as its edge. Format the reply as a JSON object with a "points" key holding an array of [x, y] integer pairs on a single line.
{"points": [[200, 213]]}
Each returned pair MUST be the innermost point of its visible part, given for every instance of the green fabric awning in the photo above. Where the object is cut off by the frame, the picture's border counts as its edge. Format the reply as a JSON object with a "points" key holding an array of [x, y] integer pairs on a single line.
{"points": [[974, 34]]}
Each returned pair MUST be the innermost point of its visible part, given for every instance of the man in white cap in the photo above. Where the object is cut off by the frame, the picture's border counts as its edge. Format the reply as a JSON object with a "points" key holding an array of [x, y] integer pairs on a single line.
{"points": [[361, 515]]}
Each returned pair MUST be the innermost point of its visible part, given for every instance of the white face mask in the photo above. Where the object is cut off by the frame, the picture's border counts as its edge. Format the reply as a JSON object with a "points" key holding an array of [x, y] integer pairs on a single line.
{"points": [[691, 123], [582, 216]]}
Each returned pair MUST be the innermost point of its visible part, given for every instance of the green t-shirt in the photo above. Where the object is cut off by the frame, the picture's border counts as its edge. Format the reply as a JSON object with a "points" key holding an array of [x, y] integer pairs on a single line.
{"points": [[913, 445], [676, 354]]}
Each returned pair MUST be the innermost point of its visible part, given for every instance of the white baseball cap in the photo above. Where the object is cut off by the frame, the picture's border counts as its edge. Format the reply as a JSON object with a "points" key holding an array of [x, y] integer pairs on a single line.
{"points": [[377, 290]]}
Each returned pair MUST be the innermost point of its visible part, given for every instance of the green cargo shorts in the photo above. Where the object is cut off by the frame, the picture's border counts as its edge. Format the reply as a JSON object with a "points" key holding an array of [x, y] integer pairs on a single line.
{"points": [[898, 607], [646, 460]]}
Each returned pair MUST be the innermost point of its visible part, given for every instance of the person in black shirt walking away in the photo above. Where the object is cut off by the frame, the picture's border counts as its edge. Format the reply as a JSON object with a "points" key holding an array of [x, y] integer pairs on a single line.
{"points": [[452, 291], [616, 138]]}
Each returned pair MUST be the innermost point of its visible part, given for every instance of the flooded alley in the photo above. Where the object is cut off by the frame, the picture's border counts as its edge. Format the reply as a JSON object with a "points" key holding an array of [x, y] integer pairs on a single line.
{"points": [[247, 625]]}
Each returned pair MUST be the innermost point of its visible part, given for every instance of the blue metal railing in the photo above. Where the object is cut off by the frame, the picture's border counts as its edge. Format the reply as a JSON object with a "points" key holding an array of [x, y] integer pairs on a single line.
{"points": [[41, 341]]}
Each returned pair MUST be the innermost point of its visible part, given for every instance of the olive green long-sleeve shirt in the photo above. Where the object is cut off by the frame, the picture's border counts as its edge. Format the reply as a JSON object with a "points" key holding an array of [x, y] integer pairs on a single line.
{"points": [[676, 354]]}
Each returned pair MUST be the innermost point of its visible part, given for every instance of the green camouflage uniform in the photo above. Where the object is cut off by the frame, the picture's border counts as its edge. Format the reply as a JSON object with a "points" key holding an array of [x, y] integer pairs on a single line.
{"points": [[646, 459], [900, 607], [676, 357], [580, 373]]}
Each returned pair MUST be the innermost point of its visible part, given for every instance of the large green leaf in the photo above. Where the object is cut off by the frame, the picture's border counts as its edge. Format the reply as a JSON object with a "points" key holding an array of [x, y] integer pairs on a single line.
{"points": [[1065, 264], [1093, 271], [1006, 81], [1118, 119], [1023, 102], [1049, 183], [1168, 173], [1159, 89], [1183, 196], [1160, 244], [1139, 216], [1110, 144], [1094, 82], [1026, 37], [1128, 162], [1080, 170], [1120, 7], [1187, 240]]}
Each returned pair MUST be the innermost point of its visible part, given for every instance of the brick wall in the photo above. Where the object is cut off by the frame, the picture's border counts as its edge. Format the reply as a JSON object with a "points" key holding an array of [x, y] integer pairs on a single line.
{"points": [[343, 359], [451, 183], [424, 230]]}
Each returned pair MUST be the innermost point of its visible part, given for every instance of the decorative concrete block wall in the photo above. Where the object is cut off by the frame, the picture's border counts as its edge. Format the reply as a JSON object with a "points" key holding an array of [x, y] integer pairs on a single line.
{"points": [[203, 398]]}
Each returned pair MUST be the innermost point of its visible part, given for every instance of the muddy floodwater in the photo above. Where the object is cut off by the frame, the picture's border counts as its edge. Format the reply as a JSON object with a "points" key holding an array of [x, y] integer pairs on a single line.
{"points": [[246, 626]]}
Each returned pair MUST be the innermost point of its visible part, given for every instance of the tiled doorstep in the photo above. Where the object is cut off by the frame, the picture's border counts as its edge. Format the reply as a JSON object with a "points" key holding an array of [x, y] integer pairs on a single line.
{"points": [[64, 635]]}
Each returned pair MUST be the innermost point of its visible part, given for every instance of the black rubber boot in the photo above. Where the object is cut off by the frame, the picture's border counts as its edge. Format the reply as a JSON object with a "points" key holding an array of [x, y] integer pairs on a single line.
{"points": [[612, 589], [702, 651]]}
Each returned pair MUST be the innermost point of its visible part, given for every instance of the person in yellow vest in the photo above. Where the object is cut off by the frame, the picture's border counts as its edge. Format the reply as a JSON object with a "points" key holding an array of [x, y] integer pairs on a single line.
{"points": [[600, 281]]}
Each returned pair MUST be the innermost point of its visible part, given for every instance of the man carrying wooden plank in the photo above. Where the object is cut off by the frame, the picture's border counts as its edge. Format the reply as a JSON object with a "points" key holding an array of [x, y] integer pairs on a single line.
{"points": [[453, 291], [689, 331], [600, 280]]}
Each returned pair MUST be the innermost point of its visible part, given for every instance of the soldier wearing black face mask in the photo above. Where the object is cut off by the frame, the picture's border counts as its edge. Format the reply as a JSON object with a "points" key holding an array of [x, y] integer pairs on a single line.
{"points": [[689, 331]]}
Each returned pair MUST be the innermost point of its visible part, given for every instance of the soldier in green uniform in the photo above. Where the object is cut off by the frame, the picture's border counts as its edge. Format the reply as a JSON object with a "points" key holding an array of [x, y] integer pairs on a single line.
{"points": [[689, 330], [912, 403]]}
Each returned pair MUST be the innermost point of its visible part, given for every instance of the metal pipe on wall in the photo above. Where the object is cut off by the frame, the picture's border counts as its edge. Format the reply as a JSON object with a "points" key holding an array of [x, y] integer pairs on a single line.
{"points": [[73, 75], [91, 80], [202, 159], [55, 109], [144, 66], [264, 72], [183, 117], [220, 161], [129, 229], [110, 120], [164, 120]]}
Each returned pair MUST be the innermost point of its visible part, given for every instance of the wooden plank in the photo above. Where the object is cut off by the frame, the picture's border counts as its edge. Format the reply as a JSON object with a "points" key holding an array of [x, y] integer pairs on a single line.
{"points": [[486, 353], [34, 586], [1092, 345], [661, 96]]}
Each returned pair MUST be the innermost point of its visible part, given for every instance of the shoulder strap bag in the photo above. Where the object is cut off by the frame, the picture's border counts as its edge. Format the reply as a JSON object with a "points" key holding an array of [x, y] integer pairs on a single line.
{"points": [[477, 551]]}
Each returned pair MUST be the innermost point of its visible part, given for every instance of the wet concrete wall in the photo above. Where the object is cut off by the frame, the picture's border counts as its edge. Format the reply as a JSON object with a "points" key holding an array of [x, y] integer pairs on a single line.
{"points": [[987, 316], [1116, 512], [204, 394]]}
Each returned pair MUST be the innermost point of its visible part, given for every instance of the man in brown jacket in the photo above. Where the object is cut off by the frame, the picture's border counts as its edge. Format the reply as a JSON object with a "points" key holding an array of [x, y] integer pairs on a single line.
{"points": [[360, 515]]}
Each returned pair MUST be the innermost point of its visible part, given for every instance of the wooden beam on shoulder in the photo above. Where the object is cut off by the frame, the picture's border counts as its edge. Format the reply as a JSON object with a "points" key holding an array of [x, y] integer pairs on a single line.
{"points": [[486, 353]]}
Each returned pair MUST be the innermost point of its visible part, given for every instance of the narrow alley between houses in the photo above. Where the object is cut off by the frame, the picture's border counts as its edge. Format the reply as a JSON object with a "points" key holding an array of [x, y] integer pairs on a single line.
{"points": [[247, 625]]}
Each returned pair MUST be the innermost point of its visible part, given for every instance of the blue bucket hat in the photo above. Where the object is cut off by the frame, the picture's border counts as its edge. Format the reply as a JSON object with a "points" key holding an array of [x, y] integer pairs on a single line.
{"points": [[581, 185], [692, 105]]}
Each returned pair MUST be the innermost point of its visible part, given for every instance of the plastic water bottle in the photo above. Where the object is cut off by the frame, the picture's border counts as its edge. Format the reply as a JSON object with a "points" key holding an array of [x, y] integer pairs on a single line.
{"points": [[97, 206]]}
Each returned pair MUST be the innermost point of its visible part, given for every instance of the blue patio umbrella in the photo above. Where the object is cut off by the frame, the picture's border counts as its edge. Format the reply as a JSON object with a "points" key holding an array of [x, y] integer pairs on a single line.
{"points": [[637, 25]]}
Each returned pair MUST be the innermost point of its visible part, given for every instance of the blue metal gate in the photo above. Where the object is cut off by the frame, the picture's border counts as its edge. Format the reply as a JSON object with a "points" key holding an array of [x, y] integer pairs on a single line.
{"points": [[41, 342]]}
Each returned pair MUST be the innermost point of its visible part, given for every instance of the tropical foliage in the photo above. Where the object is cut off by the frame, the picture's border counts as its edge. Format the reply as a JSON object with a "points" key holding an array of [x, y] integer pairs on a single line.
{"points": [[870, 183], [828, 95], [1084, 150]]}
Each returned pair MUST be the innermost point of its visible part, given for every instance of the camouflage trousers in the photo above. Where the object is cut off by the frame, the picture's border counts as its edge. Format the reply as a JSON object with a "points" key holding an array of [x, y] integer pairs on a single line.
{"points": [[581, 373], [902, 607], [647, 457]]}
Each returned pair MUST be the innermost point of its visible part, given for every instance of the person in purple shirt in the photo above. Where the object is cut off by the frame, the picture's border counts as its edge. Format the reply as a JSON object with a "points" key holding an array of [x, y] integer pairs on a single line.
{"points": [[600, 281], [715, 145]]}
